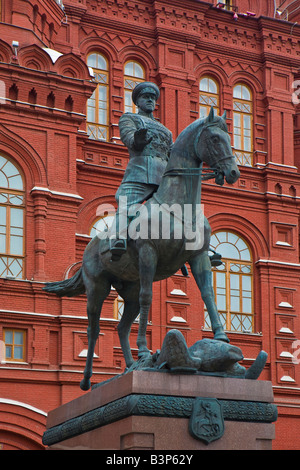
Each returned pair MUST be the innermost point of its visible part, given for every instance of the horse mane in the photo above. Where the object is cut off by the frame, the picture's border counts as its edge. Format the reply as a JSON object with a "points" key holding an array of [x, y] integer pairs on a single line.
{"points": [[202, 123], [184, 140], [214, 120], [219, 121]]}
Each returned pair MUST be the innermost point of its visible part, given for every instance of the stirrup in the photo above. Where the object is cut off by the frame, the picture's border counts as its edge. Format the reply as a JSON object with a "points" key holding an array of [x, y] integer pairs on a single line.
{"points": [[215, 259]]}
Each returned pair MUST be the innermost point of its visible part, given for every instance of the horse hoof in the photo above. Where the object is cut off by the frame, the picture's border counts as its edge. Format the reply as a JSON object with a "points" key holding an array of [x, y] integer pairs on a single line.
{"points": [[221, 336], [85, 384], [144, 354]]}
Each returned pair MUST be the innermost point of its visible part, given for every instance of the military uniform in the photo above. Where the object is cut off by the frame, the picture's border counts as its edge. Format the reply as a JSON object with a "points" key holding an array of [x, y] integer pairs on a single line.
{"points": [[147, 165]]}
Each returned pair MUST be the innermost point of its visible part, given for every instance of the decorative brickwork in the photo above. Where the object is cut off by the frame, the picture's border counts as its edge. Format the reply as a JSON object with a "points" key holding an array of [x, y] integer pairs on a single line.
{"points": [[45, 84]]}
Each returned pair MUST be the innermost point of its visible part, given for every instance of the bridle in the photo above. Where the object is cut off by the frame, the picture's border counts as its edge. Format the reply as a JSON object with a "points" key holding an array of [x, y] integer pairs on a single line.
{"points": [[210, 173]]}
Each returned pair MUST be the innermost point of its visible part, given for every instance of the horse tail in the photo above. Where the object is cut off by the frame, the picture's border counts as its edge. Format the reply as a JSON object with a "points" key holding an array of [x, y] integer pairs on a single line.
{"points": [[69, 287]]}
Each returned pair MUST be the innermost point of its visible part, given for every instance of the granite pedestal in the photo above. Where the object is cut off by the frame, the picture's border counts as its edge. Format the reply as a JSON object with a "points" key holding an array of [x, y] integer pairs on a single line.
{"points": [[159, 411]]}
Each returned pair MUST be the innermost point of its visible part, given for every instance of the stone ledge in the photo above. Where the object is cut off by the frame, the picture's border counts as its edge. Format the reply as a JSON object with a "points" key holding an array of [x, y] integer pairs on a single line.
{"points": [[158, 383], [158, 406]]}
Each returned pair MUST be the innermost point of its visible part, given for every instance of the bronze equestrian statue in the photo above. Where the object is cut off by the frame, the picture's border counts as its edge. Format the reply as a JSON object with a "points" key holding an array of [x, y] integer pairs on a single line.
{"points": [[147, 260]]}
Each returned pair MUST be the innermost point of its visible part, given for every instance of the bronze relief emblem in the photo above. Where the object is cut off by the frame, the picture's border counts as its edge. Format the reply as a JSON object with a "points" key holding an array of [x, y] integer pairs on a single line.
{"points": [[206, 422]]}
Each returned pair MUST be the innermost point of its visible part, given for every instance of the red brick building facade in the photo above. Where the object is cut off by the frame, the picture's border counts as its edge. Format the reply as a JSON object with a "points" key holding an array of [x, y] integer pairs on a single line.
{"points": [[67, 69]]}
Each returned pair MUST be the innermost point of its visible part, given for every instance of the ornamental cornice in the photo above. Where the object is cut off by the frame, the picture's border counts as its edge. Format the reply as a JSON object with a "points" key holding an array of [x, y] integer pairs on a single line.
{"points": [[75, 10], [203, 27], [145, 16], [230, 60], [120, 39]]}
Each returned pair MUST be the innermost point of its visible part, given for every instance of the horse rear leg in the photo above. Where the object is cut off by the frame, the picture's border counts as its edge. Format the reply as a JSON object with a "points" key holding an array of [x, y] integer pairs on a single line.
{"points": [[131, 311], [96, 294], [147, 269]]}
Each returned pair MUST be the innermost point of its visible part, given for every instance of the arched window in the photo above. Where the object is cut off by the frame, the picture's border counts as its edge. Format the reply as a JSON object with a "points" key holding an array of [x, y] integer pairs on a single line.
{"points": [[12, 208], [208, 96], [242, 125], [233, 282], [133, 74], [98, 103], [102, 224]]}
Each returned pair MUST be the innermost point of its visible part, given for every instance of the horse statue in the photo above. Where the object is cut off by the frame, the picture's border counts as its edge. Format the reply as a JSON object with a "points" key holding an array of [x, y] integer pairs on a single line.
{"points": [[149, 259]]}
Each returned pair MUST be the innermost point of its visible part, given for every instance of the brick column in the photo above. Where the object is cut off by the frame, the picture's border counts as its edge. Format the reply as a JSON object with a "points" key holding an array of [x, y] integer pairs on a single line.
{"points": [[40, 199]]}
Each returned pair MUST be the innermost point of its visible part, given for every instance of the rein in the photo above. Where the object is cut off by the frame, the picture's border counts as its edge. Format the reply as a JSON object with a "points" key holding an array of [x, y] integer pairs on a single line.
{"points": [[210, 172]]}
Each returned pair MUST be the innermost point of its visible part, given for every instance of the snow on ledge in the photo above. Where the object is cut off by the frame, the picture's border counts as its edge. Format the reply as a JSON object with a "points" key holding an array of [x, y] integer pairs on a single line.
{"points": [[8, 401], [54, 55]]}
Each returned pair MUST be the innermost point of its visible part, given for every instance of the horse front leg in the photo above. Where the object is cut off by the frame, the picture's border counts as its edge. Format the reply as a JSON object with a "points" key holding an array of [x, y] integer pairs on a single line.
{"points": [[131, 310], [147, 269], [201, 270]]}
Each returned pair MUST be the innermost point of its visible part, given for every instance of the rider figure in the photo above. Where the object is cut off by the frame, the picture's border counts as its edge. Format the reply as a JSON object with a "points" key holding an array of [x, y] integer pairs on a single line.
{"points": [[149, 144]]}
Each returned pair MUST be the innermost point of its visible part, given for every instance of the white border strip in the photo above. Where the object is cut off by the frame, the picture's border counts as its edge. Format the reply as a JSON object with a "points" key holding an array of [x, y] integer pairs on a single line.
{"points": [[57, 193], [7, 401]]}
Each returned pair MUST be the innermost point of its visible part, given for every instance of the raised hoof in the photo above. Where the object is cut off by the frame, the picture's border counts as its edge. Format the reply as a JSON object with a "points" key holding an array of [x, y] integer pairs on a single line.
{"points": [[85, 384], [221, 336]]}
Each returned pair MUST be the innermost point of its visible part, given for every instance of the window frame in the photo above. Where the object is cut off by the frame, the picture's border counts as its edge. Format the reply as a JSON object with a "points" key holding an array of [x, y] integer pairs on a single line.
{"points": [[228, 313], [209, 96], [93, 227], [118, 308], [243, 157], [13, 345], [94, 127], [10, 192], [131, 107], [228, 5]]}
